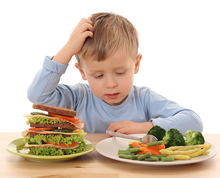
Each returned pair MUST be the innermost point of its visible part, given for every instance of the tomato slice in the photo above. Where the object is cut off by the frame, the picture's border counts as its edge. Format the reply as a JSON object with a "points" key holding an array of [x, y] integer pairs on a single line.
{"points": [[38, 129], [73, 119], [62, 144]]}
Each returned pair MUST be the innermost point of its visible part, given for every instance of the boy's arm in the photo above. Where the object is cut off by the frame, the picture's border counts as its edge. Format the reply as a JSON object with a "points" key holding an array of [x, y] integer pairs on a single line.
{"points": [[45, 89], [129, 127], [168, 114], [162, 112]]}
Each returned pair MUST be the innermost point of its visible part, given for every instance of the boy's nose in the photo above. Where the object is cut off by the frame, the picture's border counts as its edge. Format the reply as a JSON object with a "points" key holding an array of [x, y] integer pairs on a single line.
{"points": [[111, 83]]}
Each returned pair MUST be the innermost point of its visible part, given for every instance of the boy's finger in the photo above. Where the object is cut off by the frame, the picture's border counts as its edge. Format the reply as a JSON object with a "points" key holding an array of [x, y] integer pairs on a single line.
{"points": [[114, 127], [124, 131], [86, 34], [84, 20], [86, 27]]}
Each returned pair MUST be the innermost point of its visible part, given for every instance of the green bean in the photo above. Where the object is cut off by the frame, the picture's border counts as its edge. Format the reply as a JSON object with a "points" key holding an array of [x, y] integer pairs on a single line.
{"points": [[160, 156], [123, 152], [152, 158], [130, 146], [143, 157], [135, 149], [135, 157], [125, 156], [168, 158], [155, 143]]}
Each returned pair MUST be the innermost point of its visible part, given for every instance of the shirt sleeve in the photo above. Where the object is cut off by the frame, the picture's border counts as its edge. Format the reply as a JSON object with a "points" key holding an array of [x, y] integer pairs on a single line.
{"points": [[169, 114], [45, 89]]}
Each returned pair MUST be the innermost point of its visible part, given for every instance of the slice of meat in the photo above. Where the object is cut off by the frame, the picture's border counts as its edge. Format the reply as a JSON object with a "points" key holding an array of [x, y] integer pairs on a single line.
{"points": [[78, 125], [60, 125]]}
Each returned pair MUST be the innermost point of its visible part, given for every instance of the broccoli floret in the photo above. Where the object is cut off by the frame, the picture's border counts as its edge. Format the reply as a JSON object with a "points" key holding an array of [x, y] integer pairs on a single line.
{"points": [[158, 132], [173, 137], [193, 138]]}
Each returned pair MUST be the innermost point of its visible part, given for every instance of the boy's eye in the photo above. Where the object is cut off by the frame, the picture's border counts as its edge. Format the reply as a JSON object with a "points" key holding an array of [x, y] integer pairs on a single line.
{"points": [[98, 76], [120, 73]]}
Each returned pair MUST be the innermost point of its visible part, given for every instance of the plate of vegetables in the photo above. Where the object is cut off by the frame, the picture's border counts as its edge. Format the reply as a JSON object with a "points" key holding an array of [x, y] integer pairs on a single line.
{"points": [[173, 148]]}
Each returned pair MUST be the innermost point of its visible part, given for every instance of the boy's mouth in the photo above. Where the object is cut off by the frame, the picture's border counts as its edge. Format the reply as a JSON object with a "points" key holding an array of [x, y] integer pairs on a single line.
{"points": [[112, 96]]}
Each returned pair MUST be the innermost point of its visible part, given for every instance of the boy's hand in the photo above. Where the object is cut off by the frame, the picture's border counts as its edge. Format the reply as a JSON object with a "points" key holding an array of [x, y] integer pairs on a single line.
{"points": [[83, 30], [128, 127], [77, 38]]}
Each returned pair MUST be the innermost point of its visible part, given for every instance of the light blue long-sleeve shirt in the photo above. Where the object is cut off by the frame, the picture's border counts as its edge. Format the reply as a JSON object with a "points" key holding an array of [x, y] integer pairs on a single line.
{"points": [[141, 105]]}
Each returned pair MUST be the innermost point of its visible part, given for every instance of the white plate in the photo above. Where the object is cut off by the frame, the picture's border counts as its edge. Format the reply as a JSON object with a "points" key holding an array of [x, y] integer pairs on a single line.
{"points": [[110, 146]]}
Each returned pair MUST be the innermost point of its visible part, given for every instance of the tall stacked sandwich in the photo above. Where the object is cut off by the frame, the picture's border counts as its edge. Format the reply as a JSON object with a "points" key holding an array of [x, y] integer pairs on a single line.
{"points": [[58, 132]]}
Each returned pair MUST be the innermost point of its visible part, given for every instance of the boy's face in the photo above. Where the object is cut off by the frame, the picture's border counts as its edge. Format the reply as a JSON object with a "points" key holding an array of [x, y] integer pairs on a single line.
{"points": [[112, 79]]}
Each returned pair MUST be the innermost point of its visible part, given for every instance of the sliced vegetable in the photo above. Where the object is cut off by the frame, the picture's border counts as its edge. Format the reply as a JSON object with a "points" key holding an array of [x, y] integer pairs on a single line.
{"points": [[135, 149], [124, 152], [33, 143], [181, 157], [134, 157], [135, 144], [143, 148], [73, 119], [38, 129], [143, 145], [62, 144], [131, 141], [157, 147], [168, 158], [140, 153], [154, 143], [152, 158], [125, 156], [153, 152], [62, 130], [160, 156], [143, 157], [130, 145]]}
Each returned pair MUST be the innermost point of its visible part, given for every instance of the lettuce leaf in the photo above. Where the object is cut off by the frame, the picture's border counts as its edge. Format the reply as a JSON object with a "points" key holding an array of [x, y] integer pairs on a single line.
{"points": [[55, 139], [44, 120], [50, 151]]}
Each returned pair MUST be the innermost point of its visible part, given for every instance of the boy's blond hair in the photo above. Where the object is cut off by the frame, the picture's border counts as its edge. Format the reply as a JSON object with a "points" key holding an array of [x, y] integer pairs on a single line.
{"points": [[111, 32]]}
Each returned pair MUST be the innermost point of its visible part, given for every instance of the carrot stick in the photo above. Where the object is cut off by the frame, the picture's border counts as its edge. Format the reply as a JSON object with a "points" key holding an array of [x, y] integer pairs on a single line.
{"points": [[153, 151], [142, 148], [143, 145], [158, 147], [135, 144]]}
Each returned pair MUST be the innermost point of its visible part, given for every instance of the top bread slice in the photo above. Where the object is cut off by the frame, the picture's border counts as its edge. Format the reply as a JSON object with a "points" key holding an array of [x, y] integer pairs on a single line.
{"points": [[55, 110]]}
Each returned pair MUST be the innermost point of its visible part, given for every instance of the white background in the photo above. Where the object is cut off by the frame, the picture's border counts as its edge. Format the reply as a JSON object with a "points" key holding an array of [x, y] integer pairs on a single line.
{"points": [[179, 41]]}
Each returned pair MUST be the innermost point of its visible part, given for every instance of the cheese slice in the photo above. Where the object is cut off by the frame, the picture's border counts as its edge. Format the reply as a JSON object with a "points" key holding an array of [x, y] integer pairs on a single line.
{"points": [[75, 132], [78, 131]]}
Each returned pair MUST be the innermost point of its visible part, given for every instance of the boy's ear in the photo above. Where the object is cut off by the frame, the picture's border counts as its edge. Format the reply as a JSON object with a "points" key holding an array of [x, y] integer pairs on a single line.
{"points": [[81, 71], [137, 63]]}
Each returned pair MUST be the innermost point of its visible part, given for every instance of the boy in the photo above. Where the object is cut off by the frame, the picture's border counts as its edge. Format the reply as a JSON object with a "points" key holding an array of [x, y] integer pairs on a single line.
{"points": [[106, 49]]}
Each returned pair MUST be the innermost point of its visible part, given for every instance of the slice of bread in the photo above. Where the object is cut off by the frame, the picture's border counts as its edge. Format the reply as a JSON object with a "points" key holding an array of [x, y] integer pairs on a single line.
{"points": [[55, 110]]}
